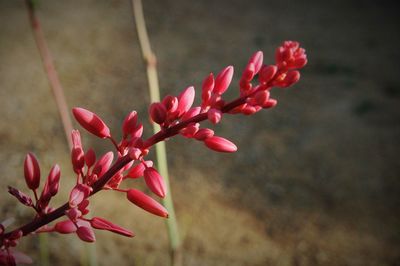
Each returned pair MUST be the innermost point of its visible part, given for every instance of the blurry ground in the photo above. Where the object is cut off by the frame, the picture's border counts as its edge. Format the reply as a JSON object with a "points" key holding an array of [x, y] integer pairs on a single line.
{"points": [[315, 181]]}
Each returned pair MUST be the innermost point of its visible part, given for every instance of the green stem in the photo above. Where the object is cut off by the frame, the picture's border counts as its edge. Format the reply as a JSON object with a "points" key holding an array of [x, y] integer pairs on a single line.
{"points": [[44, 251], [152, 77]]}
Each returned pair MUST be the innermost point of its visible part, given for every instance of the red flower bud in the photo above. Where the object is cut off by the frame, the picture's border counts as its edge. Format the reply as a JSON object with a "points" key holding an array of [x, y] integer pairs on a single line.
{"points": [[91, 122], [214, 115], [190, 130], [261, 97], [170, 103], [138, 170], [103, 224], [78, 194], [77, 159], [220, 144], [299, 62], [203, 134], [223, 80], [134, 153], [103, 164], [248, 73], [65, 227], [137, 133], [31, 171], [291, 78], [270, 103], [143, 201], [257, 60], [267, 73], [191, 113], [129, 124], [86, 234], [90, 158], [22, 197], [249, 110], [155, 182], [83, 207], [74, 213], [207, 88], [53, 180], [186, 99], [158, 113]]}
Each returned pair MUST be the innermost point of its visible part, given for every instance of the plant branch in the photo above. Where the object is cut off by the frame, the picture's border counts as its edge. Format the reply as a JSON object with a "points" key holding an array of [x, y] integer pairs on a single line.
{"points": [[102, 181]]}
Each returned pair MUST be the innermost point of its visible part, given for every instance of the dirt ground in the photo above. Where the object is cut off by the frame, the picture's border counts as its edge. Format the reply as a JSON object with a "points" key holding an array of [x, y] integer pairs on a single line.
{"points": [[315, 180]]}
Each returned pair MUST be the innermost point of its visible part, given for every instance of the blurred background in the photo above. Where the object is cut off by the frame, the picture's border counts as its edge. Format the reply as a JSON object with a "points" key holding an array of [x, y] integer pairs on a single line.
{"points": [[315, 180]]}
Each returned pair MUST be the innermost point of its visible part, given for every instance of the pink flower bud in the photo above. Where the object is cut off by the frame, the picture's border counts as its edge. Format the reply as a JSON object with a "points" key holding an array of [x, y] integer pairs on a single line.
{"points": [[249, 110], [78, 194], [138, 170], [91, 122], [86, 234], [143, 201], [22, 197], [203, 134], [299, 63], [186, 99], [53, 180], [170, 103], [270, 103], [31, 171], [90, 158], [207, 88], [65, 227], [77, 159], [155, 182], [261, 97], [134, 153], [76, 138], [103, 224], [190, 130], [158, 113], [83, 207], [267, 73], [291, 78], [129, 124], [74, 213], [214, 115], [137, 133], [249, 72], [223, 80], [220, 144], [103, 164], [191, 113], [257, 60]]}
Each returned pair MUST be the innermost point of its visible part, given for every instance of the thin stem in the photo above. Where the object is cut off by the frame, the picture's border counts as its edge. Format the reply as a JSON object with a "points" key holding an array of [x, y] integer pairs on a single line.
{"points": [[51, 72], [114, 142], [152, 78]]}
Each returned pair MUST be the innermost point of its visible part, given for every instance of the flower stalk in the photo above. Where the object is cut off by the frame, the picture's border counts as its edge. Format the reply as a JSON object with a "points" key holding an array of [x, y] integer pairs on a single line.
{"points": [[176, 117]]}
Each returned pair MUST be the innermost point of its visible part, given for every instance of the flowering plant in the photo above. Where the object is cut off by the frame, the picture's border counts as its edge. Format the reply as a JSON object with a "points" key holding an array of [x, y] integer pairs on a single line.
{"points": [[176, 116]]}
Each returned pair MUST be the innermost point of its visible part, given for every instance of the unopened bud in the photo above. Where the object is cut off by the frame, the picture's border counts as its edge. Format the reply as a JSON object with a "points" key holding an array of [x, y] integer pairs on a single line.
{"points": [[91, 122]]}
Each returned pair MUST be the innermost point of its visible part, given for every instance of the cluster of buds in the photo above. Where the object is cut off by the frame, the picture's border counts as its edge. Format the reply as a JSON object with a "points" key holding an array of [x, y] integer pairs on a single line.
{"points": [[176, 115]]}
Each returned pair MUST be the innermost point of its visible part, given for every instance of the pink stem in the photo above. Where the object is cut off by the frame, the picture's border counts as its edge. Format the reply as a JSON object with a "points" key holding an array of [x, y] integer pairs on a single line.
{"points": [[51, 72]]}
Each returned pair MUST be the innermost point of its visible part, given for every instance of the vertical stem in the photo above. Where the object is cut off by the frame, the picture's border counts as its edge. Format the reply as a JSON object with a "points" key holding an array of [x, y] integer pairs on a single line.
{"points": [[152, 77], [44, 251], [63, 110]]}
